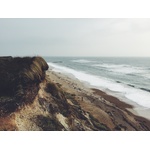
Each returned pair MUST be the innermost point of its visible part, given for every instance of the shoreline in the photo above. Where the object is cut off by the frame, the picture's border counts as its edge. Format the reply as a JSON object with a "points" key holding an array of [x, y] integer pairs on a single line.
{"points": [[52, 101], [112, 99], [129, 105], [108, 109]]}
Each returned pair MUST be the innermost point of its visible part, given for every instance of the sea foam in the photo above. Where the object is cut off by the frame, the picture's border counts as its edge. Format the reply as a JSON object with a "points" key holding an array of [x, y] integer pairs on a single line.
{"points": [[136, 95], [81, 61], [125, 69]]}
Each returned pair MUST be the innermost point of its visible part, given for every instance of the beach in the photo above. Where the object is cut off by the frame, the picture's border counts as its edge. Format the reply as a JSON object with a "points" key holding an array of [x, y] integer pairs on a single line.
{"points": [[109, 110], [36, 96]]}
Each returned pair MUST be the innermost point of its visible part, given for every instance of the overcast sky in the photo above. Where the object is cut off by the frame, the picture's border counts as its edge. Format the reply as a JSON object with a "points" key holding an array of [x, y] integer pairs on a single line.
{"points": [[75, 37]]}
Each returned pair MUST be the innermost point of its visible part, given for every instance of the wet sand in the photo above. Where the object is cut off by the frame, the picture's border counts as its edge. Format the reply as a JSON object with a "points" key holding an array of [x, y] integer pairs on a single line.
{"points": [[112, 99]]}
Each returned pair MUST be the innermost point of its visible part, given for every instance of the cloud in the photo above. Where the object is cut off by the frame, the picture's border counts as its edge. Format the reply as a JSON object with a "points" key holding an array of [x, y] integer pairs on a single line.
{"points": [[75, 37]]}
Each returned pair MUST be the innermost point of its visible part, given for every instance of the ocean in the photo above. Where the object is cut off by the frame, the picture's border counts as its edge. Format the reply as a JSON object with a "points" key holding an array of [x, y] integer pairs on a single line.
{"points": [[125, 78]]}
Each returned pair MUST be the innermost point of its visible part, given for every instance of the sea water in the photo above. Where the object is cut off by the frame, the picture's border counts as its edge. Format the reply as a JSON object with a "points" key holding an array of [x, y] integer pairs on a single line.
{"points": [[125, 78]]}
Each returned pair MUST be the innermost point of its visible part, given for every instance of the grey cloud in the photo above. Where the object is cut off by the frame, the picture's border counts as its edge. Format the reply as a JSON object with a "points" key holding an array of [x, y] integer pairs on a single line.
{"points": [[75, 37]]}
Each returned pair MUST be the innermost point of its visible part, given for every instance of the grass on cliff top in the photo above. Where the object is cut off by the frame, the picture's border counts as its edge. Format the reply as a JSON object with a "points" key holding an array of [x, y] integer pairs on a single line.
{"points": [[19, 80]]}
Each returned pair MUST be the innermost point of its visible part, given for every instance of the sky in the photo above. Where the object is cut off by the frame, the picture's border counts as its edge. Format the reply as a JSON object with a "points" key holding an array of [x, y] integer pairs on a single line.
{"points": [[101, 37]]}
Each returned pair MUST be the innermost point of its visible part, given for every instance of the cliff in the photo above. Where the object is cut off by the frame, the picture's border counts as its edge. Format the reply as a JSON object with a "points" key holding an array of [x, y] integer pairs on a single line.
{"points": [[36, 99], [30, 101]]}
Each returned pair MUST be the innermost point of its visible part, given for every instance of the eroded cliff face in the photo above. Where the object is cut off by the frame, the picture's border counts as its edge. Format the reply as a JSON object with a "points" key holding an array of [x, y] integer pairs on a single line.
{"points": [[19, 81], [51, 110], [30, 101], [34, 99]]}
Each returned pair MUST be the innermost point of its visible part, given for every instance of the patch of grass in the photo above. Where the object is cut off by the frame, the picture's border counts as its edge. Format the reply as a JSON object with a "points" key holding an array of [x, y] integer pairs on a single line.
{"points": [[41, 62], [19, 80], [54, 90], [68, 95], [59, 98], [48, 124], [98, 125]]}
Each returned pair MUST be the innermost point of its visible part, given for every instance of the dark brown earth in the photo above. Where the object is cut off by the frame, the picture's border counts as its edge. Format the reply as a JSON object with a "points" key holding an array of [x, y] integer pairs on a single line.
{"points": [[43, 100]]}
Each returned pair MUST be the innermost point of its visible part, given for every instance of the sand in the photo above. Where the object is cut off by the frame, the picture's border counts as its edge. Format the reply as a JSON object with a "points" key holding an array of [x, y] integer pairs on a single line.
{"points": [[108, 109]]}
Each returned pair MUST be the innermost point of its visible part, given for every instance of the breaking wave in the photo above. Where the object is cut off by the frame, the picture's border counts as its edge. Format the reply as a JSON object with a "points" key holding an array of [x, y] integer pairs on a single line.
{"points": [[136, 95]]}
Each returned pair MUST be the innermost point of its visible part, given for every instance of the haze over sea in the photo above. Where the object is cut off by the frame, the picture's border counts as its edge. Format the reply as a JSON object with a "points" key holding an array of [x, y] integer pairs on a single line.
{"points": [[125, 78]]}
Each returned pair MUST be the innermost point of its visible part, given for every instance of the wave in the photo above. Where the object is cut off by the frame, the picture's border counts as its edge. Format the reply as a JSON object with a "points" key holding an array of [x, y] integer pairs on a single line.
{"points": [[131, 85], [82, 61], [146, 75], [148, 90], [110, 65], [125, 69], [137, 95], [57, 61]]}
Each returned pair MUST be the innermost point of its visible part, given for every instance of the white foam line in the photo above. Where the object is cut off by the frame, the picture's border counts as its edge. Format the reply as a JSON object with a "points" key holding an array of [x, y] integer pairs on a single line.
{"points": [[138, 96], [122, 68], [82, 61]]}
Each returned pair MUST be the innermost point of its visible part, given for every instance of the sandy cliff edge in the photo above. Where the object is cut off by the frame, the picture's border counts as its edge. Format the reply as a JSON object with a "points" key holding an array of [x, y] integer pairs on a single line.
{"points": [[35, 98]]}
